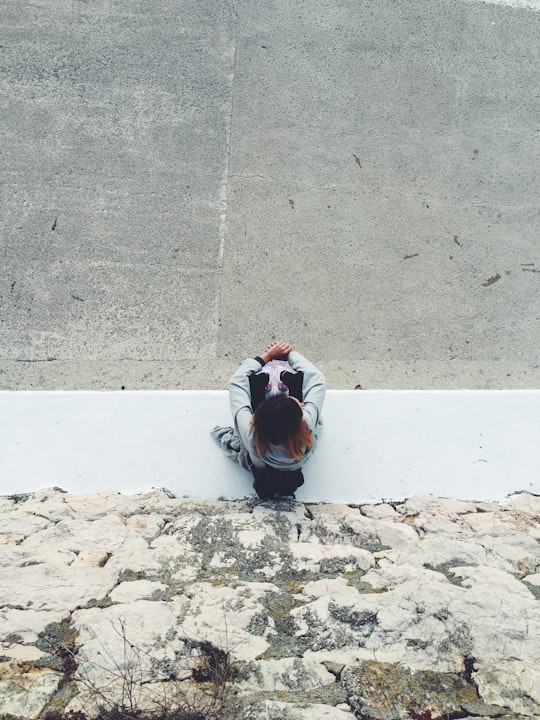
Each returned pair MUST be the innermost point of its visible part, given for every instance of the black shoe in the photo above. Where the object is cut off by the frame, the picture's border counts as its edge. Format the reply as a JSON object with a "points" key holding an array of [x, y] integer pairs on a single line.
{"points": [[257, 386], [294, 382]]}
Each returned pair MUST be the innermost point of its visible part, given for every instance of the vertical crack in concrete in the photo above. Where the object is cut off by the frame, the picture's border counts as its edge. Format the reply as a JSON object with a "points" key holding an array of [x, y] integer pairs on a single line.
{"points": [[225, 176]]}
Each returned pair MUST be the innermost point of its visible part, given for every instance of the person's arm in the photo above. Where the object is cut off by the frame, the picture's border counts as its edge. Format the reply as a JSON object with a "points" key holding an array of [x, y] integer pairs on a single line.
{"points": [[313, 388], [240, 398]]}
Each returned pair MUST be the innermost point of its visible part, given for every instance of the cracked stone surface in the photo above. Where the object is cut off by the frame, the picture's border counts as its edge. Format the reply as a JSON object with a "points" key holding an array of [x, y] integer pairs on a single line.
{"points": [[325, 611]]}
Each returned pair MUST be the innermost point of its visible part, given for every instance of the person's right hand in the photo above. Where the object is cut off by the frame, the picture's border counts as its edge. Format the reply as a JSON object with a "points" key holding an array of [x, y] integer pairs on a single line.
{"points": [[277, 350]]}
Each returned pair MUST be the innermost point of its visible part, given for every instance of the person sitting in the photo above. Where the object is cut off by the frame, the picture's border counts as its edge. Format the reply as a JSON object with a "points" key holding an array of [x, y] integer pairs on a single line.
{"points": [[274, 436]]}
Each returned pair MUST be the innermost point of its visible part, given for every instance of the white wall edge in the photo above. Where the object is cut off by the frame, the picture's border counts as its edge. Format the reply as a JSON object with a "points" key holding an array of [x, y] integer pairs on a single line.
{"points": [[376, 444]]}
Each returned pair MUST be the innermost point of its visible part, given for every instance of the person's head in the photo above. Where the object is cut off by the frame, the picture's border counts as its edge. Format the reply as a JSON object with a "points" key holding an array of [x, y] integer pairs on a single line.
{"points": [[279, 421]]}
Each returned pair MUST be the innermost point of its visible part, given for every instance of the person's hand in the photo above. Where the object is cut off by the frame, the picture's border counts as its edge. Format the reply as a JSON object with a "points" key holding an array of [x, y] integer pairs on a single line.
{"points": [[277, 350]]}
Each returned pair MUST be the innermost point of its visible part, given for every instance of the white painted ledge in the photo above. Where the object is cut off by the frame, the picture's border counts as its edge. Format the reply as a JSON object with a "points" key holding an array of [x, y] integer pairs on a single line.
{"points": [[375, 445]]}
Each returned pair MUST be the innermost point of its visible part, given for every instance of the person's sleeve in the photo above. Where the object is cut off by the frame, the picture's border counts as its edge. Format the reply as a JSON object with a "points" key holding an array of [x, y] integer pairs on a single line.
{"points": [[240, 398], [313, 388]]}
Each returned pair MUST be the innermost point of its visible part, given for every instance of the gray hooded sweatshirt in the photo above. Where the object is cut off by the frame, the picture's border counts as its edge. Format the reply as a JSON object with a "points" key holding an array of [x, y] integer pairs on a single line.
{"points": [[313, 391]]}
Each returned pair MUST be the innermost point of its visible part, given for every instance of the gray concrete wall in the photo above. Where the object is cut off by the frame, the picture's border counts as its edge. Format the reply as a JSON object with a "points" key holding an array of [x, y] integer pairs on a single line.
{"points": [[183, 181]]}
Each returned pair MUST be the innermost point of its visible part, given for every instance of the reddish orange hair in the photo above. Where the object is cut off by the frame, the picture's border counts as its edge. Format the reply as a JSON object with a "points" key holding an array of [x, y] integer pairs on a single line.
{"points": [[279, 421]]}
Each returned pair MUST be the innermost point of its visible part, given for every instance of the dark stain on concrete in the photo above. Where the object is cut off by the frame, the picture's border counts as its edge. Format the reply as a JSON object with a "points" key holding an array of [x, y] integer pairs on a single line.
{"points": [[491, 280]]}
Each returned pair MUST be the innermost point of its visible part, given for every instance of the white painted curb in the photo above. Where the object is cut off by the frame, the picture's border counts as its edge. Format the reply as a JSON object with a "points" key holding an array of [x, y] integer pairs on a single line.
{"points": [[376, 445]]}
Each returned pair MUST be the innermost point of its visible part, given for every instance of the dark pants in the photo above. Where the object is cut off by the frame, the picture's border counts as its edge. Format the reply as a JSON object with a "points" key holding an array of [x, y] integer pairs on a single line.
{"points": [[257, 384], [269, 482]]}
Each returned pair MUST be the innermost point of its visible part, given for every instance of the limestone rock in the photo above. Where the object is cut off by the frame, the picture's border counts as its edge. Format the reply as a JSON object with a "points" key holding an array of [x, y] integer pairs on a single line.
{"points": [[328, 510], [485, 710], [290, 674], [276, 710], [291, 512], [150, 697], [339, 616], [501, 522], [440, 551], [299, 596], [139, 639], [396, 534], [486, 506], [330, 558], [21, 555], [335, 589], [415, 628], [520, 551], [91, 558], [21, 523], [526, 503], [393, 625], [450, 506], [26, 694], [26, 625], [257, 545], [379, 511], [10, 539], [337, 524], [128, 592], [147, 526], [338, 657], [110, 533], [503, 618], [511, 683], [128, 559], [223, 615], [21, 653], [58, 505], [389, 575], [170, 553], [381, 690], [438, 521], [45, 587], [6, 504]]}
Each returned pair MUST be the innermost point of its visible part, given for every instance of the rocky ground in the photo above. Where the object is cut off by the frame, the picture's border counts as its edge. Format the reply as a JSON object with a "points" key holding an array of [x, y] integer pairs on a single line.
{"points": [[428, 607]]}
